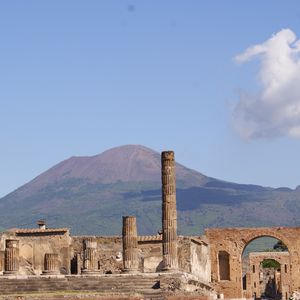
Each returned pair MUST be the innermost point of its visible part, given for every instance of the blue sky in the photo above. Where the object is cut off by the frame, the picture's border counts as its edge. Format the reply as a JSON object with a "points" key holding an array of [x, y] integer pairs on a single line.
{"points": [[79, 77]]}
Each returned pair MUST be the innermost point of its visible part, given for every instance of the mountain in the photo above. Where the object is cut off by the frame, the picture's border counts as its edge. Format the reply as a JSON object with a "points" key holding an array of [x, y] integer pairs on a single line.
{"points": [[128, 163], [90, 195]]}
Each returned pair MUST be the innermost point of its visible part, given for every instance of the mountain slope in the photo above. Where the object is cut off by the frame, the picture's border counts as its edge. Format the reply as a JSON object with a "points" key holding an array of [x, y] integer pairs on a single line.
{"points": [[90, 195], [129, 163]]}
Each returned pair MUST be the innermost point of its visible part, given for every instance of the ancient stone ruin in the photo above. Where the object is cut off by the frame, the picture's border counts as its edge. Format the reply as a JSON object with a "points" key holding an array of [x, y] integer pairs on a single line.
{"points": [[208, 266]]}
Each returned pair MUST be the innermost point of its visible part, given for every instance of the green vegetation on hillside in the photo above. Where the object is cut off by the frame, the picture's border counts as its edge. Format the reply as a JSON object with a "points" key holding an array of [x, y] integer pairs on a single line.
{"points": [[270, 263], [88, 207]]}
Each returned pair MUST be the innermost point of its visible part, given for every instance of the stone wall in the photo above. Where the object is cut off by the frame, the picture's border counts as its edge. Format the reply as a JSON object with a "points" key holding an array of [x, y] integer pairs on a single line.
{"points": [[150, 253], [200, 260], [34, 244], [256, 273], [109, 253], [184, 254], [193, 255], [234, 240]]}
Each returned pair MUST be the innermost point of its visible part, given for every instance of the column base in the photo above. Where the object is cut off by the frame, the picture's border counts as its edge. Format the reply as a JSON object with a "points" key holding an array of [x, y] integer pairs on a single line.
{"points": [[50, 273], [130, 271], [173, 270], [168, 268], [10, 273], [90, 272]]}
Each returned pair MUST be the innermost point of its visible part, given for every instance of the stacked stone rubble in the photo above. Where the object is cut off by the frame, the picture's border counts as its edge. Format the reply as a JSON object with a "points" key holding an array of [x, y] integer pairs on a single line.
{"points": [[169, 213], [130, 245]]}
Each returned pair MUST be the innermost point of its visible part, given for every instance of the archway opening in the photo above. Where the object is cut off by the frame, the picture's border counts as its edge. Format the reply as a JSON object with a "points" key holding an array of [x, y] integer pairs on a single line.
{"points": [[270, 279], [263, 261]]}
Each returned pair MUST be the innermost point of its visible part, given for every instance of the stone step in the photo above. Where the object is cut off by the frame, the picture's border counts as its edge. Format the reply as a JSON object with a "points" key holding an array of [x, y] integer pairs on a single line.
{"points": [[126, 286], [153, 297], [147, 286], [45, 286]]}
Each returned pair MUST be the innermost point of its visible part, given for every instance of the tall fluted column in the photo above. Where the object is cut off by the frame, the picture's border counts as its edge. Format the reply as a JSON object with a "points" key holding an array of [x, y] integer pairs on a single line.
{"points": [[90, 262], [11, 261], [130, 245], [169, 212], [51, 264]]}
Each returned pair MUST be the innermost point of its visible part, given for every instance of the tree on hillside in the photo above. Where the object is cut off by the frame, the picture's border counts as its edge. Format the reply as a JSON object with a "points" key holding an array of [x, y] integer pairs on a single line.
{"points": [[280, 246], [271, 263]]}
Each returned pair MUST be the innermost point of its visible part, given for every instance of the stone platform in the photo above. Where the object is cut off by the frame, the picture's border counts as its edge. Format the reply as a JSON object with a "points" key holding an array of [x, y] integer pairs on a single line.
{"points": [[149, 286]]}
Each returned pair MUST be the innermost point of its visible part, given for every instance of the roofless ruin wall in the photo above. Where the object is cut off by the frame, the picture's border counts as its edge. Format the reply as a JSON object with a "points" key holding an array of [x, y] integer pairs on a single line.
{"points": [[34, 244]]}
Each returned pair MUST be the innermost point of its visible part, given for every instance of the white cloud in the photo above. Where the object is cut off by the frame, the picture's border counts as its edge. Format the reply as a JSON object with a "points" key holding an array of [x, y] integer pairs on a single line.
{"points": [[275, 110]]}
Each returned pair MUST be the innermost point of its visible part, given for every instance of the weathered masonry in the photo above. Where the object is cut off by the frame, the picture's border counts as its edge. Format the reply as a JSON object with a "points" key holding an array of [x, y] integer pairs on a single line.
{"points": [[281, 277], [208, 265], [226, 249]]}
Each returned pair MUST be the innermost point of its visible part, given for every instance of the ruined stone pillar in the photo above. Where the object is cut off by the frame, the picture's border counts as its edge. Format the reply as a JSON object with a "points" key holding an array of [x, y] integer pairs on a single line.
{"points": [[90, 261], [51, 264], [1, 261], [11, 260], [130, 245], [169, 212]]}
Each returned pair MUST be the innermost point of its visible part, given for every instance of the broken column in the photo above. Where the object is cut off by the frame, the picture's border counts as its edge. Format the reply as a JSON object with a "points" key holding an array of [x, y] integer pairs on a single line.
{"points": [[130, 245], [11, 259], [90, 261], [169, 212], [1, 261], [51, 264]]}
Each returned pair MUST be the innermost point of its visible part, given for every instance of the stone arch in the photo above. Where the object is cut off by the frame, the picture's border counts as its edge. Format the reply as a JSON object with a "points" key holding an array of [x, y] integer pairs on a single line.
{"points": [[234, 241], [277, 259], [281, 277], [265, 233], [253, 235]]}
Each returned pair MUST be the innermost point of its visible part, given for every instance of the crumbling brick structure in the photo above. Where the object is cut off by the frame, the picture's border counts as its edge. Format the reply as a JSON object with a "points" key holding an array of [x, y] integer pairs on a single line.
{"points": [[254, 275], [226, 249]]}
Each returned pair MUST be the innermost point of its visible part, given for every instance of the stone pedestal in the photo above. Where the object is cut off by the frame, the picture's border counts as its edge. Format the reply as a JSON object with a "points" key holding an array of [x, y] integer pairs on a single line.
{"points": [[51, 264], [130, 245], [90, 261], [11, 260], [169, 212]]}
